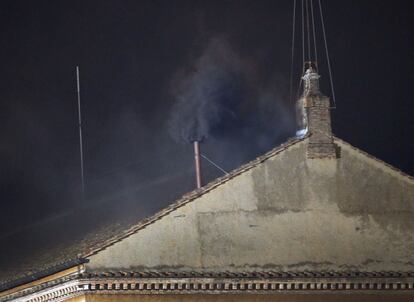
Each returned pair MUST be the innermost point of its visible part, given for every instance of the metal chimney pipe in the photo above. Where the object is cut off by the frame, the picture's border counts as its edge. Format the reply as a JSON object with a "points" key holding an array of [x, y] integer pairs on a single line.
{"points": [[197, 163]]}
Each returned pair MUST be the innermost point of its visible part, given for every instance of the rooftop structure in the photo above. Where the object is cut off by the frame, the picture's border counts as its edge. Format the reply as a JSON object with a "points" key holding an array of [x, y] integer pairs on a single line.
{"points": [[313, 215]]}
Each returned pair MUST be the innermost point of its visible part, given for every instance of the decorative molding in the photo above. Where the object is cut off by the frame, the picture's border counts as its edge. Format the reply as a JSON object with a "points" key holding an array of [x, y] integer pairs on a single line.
{"points": [[57, 293], [56, 268], [240, 285], [193, 282]]}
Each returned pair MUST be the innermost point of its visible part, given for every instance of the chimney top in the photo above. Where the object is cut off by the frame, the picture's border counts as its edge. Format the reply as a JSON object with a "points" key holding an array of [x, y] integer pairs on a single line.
{"points": [[313, 109], [311, 81]]}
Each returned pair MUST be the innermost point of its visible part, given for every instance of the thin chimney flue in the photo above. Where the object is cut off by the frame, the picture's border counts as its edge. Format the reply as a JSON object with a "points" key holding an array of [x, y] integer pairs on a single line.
{"points": [[197, 163]]}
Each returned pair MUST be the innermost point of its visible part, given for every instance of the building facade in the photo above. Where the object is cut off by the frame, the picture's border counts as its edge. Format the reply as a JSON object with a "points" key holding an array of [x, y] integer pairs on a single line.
{"points": [[315, 219]]}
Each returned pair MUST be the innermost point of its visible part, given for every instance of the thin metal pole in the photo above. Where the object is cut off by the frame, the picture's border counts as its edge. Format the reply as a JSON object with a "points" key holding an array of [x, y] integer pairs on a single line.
{"points": [[197, 163], [80, 134]]}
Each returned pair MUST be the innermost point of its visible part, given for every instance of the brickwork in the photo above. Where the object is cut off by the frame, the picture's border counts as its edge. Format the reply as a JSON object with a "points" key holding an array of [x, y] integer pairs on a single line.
{"points": [[320, 140], [317, 108]]}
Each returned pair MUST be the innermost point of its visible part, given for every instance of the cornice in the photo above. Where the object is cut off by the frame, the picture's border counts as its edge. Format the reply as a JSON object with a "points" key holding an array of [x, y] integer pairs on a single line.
{"points": [[257, 283]]}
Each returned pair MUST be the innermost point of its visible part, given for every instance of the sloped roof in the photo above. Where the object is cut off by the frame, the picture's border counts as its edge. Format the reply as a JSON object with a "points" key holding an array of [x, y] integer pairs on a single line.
{"points": [[111, 234], [58, 242], [101, 227]]}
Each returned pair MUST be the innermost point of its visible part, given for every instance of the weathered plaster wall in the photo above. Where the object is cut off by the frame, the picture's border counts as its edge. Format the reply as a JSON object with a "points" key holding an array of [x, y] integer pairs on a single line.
{"points": [[289, 213]]}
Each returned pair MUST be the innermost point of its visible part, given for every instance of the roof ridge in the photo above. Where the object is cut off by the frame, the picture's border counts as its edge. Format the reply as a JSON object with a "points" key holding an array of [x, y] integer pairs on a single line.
{"points": [[191, 196]]}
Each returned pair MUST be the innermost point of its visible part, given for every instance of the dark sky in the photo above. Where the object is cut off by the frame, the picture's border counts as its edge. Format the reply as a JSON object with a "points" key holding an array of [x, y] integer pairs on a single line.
{"points": [[140, 60]]}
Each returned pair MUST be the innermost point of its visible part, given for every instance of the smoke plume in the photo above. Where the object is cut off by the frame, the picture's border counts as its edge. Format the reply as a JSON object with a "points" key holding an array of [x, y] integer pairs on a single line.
{"points": [[209, 94], [223, 99]]}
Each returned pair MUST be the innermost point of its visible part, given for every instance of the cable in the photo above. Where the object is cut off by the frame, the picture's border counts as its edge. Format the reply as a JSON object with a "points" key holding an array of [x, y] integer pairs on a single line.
{"points": [[314, 35], [293, 52], [308, 30], [303, 51], [303, 39], [327, 55], [214, 164]]}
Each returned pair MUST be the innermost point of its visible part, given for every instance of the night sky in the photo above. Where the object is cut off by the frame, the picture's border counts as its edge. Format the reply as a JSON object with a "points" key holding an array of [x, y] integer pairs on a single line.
{"points": [[140, 65]]}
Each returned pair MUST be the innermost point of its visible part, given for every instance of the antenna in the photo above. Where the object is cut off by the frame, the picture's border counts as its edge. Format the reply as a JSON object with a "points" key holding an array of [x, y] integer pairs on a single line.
{"points": [[80, 133]]}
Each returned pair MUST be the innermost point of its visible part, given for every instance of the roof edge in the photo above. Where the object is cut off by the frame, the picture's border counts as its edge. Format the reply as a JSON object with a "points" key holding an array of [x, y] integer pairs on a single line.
{"points": [[21, 280], [391, 168]]}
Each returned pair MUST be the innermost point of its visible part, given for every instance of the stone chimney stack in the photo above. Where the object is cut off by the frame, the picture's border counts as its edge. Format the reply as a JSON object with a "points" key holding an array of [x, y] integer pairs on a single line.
{"points": [[314, 118]]}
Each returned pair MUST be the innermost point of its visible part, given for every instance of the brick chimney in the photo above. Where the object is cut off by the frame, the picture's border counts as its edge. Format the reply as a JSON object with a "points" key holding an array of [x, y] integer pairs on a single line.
{"points": [[314, 118]]}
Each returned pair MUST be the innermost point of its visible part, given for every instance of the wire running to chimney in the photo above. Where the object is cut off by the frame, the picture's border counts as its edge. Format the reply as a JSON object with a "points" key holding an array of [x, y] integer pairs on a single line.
{"points": [[303, 38], [309, 37], [292, 53], [314, 35], [327, 55], [308, 31], [214, 164]]}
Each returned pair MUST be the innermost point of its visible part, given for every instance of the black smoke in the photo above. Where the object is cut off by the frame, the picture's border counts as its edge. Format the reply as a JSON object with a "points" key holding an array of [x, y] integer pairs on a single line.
{"points": [[220, 98]]}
